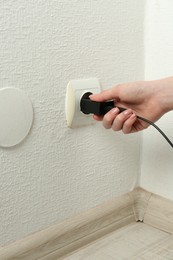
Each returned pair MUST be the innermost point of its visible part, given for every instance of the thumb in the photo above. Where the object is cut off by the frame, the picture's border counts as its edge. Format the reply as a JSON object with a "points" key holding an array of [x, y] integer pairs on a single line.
{"points": [[105, 95]]}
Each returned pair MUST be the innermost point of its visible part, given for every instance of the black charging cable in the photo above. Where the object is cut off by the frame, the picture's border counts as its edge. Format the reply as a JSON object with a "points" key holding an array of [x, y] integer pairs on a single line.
{"points": [[87, 106]]}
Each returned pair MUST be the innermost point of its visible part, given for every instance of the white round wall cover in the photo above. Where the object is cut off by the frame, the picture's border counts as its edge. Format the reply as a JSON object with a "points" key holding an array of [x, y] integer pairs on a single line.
{"points": [[16, 116]]}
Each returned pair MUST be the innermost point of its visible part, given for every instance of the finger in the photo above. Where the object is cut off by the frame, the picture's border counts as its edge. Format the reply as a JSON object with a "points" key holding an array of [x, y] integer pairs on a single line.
{"points": [[120, 119], [109, 117], [98, 118], [128, 124], [105, 95]]}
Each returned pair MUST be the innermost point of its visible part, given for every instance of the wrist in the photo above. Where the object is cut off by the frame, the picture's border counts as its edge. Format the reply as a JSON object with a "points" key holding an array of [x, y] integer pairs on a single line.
{"points": [[164, 94]]}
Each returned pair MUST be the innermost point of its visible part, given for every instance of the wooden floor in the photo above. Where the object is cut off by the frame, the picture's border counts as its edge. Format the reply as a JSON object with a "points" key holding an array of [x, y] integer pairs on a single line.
{"points": [[135, 241]]}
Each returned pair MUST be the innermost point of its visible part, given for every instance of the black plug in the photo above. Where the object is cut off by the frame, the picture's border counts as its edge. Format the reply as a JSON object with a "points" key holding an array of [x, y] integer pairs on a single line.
{"points": [[88, 106]]}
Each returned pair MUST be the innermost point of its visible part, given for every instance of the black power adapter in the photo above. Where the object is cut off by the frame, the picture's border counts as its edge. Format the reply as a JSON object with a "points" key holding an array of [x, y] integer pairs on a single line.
{"points": [[88, 106]]}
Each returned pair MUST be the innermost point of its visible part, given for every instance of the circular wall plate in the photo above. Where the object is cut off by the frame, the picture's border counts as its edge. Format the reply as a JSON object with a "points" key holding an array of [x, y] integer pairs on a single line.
{"points": [[16, 116]]}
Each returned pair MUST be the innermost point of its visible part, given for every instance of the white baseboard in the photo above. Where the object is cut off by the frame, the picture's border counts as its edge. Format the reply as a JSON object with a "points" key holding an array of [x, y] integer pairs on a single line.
{"points": [[61, 239]]}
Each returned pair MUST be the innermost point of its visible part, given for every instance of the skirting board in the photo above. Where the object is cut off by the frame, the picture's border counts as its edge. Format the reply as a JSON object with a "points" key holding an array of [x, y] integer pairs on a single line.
{"points": [[159, 213], [63, 238]]}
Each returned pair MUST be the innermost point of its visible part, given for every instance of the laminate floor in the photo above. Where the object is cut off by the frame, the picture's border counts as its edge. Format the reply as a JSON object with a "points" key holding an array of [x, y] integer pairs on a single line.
{"points": [[136, 241]]}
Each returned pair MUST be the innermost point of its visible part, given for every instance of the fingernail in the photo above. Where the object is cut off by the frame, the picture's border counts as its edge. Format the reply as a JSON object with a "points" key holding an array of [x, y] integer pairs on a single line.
{"points": [[133, 116], [127, 112], [114, 110]]}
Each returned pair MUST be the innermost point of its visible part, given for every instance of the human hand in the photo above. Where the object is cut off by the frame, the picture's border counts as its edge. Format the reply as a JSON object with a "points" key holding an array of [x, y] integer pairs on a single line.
{"points": [[148, 99]]}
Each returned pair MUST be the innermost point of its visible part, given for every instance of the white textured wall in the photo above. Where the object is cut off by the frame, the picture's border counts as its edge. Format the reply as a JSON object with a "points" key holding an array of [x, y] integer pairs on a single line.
{"points": [[57, 172], [157, 162]]}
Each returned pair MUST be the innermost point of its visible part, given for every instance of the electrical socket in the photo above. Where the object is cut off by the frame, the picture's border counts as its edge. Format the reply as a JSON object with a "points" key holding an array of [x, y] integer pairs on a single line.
{"points": [[75, 90]]}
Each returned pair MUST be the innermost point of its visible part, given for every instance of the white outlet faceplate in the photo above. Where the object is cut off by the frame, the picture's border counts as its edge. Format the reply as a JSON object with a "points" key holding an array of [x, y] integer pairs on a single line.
{"points": [[75, 90]]}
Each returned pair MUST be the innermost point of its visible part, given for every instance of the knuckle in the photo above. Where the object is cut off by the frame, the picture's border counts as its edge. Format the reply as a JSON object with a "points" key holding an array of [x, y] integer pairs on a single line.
{"points": [[118, 119], [127, 124], [107, 122], [113, 127], [108, 119], [106, 126], [126, 130], [116, 126], [127, 127]]}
